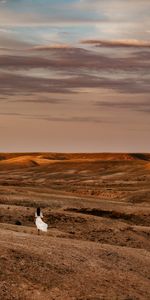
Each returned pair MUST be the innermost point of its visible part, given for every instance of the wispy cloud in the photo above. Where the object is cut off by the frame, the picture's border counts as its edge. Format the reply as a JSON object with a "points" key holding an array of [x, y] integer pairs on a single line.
{"points": [[140, 106], [41, 100], [50, 118], [71, 59], [58, 57], [118, 43], [11, 84], [55, 47], [75, 119]]}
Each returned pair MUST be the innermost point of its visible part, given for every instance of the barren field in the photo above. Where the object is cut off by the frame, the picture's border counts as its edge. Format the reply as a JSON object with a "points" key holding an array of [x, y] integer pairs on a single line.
{"points": [[97, 207]]}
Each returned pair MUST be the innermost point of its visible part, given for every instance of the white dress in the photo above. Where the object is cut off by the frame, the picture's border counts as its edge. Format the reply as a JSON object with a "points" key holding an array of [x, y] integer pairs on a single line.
{"points": [[39, 223]]}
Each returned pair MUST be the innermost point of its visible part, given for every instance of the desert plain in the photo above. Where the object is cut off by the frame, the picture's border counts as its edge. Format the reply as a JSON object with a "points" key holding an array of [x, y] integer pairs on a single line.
{"points": [[97, 207]]}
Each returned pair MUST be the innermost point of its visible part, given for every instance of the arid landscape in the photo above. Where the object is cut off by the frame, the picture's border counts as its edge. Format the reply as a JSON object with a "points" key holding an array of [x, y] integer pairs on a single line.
{"points": [[97, 207]]}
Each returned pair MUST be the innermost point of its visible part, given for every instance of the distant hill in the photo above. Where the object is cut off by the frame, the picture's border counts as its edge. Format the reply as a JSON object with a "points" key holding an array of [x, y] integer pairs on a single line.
{"points": [[36, 159]]}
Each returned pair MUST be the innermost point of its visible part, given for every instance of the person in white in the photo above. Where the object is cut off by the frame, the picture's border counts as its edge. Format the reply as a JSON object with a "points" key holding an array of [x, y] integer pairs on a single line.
{"points": [[39, 222]]}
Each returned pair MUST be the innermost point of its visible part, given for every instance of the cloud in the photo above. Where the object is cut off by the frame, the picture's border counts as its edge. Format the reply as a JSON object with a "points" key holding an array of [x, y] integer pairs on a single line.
{"points": [[62, 68], [42, 100], [11, 40], [31, 13], [116, 9], [10, 114], [140, 106], [11, 84], [72, 61], [142, 55], [34, 16], [49, 118], [118, 43], [55, 47], [86, 119]]}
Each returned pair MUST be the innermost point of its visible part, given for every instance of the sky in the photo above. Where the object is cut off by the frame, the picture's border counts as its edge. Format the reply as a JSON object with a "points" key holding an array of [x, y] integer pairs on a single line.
{"points": [[74, 76]]}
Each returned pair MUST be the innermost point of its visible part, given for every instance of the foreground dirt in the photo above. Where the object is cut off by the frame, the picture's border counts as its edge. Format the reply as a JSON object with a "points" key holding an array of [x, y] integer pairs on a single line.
{"points": [[97, 207]]}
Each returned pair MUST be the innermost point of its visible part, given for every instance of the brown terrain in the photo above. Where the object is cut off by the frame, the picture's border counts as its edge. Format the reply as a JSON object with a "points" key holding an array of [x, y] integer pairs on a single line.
{"points": [[97, 207]]}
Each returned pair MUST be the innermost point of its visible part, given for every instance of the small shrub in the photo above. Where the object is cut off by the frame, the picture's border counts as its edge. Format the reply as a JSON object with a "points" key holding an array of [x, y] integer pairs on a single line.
{"points": [[18, 222]]}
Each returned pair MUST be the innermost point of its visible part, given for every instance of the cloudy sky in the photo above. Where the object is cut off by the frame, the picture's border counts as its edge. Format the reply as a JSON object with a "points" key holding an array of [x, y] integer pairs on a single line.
{"points": [[75, 75]]}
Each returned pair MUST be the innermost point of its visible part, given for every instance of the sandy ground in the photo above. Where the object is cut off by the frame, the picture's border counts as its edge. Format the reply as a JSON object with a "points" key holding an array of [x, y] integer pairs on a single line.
{"points": [[98, 211]]}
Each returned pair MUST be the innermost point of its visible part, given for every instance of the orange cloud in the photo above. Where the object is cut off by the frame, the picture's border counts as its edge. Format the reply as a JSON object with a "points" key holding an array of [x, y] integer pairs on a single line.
{"points": [[117, 43]]}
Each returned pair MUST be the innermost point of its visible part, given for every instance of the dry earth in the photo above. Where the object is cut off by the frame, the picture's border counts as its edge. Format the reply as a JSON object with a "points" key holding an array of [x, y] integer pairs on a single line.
{"points": [[97, 207]]}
